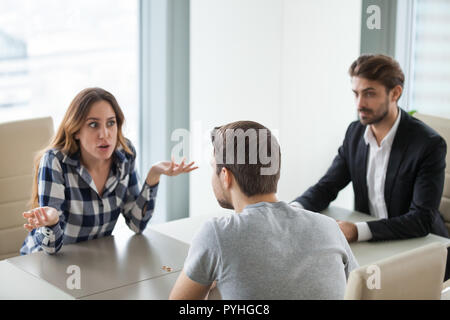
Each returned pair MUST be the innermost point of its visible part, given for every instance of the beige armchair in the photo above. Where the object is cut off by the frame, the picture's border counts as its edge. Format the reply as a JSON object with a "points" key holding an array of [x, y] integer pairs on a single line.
{"points": [[19, 142], [441, 126], [415, 274]]}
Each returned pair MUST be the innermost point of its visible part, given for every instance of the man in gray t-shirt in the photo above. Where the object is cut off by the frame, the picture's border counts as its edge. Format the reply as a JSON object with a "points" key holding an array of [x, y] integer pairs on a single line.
{"points": [[268, 249]]}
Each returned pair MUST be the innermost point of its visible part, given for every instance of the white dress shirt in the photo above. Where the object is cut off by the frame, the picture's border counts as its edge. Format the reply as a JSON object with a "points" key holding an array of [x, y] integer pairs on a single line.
{"points": [[377, 163]]}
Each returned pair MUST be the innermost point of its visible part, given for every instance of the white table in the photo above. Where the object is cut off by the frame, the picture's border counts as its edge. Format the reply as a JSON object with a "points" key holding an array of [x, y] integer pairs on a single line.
{"points": [[16, 284], [113, 263], [369, 252]]}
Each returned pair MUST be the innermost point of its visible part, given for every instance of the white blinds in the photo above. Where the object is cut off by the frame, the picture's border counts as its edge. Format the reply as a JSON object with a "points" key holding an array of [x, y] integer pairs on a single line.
{"points": [[431, 61]]}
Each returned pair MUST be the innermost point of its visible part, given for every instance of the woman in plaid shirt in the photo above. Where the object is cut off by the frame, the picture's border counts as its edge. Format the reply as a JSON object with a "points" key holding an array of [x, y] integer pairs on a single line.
{"points": [[87, 177]]}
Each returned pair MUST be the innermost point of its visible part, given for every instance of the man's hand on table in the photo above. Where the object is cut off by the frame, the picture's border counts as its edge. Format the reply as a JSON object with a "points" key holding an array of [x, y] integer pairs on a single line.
{"points": [[349, 229]]}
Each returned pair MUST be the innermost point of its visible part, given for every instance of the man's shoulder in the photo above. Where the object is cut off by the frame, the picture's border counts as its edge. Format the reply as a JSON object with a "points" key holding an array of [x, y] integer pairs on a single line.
{"points": [[418, 136], [319, 219], [418, 130], [355, 130], [225, 223], [215, 231]]}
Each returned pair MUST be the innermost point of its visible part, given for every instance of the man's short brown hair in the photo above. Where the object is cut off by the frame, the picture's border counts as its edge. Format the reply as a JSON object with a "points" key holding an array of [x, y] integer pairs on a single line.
{"points": [[378, 67], [247, 167]]}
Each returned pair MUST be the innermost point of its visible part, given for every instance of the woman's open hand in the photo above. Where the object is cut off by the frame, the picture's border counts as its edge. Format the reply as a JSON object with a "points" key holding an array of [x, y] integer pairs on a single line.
{"points": [[168, 168], [40, 217]]}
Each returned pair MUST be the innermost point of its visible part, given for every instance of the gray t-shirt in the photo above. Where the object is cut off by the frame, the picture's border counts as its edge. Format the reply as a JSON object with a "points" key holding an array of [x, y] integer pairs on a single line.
{"points": [[272, 251]]}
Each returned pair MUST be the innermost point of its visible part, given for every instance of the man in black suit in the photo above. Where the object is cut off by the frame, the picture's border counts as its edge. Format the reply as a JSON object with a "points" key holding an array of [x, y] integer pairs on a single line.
{"points": [[396, 162]]}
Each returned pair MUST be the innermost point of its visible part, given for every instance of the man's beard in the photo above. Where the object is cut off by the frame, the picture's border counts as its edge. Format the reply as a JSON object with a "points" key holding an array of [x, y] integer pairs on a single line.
{"points": [[379, 118]]}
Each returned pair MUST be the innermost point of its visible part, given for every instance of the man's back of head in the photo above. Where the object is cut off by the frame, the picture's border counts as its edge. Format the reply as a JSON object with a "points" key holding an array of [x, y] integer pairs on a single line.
{"points": [[246, 163]]}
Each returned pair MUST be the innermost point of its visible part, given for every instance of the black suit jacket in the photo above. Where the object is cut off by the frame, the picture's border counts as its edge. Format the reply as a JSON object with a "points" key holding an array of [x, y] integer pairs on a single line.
{"points": [[414, 180]]}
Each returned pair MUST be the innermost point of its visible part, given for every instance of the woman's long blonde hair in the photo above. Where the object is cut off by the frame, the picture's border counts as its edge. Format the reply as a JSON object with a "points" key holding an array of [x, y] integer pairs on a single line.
{"points": [[73, 120]]}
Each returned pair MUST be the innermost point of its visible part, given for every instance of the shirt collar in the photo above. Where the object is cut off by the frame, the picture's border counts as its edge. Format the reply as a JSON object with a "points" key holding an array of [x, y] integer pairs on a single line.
{"points": [[369, 138]]}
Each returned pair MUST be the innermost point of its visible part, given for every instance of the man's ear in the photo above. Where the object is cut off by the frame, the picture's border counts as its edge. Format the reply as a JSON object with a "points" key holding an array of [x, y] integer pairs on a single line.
{"points": [[396, 93], [226, 178]]}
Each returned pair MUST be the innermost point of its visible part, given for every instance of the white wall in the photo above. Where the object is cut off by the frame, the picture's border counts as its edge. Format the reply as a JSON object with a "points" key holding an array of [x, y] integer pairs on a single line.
{"points": [[282, 63]]}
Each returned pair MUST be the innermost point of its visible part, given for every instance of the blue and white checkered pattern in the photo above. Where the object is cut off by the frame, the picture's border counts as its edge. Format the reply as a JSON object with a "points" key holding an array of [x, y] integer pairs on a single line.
{"points": [[67, 186]]}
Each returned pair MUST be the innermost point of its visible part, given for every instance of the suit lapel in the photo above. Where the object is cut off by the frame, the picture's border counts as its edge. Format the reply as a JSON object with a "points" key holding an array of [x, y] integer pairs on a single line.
{"points": [[362, 168], [398, 150], [361, 174]]}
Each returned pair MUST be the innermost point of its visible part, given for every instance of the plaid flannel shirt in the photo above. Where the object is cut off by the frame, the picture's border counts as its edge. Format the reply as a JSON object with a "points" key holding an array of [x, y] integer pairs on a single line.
{"points": [[66, 185]]}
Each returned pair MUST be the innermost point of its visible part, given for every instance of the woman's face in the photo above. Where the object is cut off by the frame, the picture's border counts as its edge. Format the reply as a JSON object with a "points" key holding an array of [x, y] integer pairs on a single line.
{"points": [[98, 134]]}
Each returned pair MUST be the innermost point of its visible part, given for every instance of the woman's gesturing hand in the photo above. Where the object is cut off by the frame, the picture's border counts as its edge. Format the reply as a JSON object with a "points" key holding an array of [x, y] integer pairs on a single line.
{"points": [[168, 168], [40, 217]]}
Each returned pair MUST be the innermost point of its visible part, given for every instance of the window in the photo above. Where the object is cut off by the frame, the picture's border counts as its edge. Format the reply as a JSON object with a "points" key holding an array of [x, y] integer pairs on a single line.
{"points": [[431, 58], [51, 49]]}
